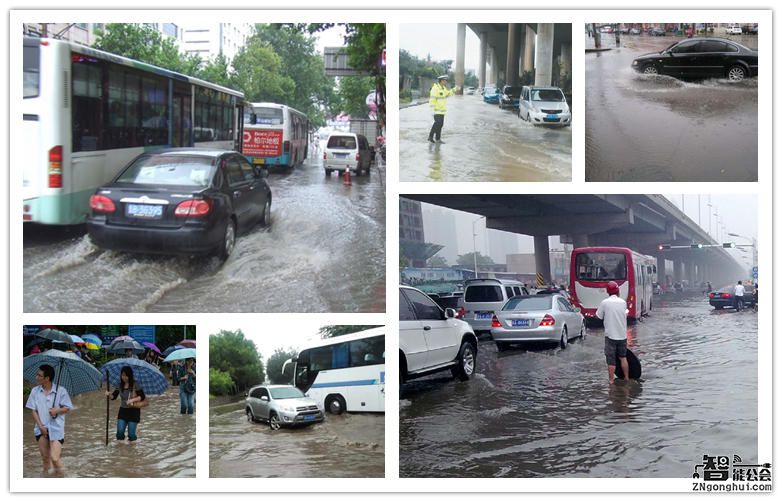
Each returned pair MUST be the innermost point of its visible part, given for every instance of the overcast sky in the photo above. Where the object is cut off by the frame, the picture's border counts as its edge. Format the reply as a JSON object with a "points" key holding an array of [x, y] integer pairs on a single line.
{"points": [[271, 333], [439, 40]]}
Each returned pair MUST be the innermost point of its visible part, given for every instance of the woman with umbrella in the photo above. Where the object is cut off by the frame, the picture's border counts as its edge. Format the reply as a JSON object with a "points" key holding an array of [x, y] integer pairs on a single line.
{"points": [[49, 404], [187, 387], [132, 399]]}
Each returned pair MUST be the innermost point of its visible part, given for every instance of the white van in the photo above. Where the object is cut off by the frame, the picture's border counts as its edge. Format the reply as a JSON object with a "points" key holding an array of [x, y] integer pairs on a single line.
{"points": [[482, 297], [347, 150]]}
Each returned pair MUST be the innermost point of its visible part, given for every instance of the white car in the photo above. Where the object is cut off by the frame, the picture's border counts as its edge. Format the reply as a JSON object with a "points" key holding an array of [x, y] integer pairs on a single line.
{"points": [[734, 29], [544, 106], [432, 340], [347, 150], [483, 297]]}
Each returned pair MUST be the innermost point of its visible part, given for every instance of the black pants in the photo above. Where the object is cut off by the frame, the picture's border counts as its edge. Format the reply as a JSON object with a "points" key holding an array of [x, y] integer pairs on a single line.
{"points": [[437, 127], [738, 302]]}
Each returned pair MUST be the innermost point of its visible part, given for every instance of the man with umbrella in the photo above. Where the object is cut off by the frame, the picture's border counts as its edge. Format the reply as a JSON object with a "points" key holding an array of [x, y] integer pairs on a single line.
{"points": [[49, 404]]}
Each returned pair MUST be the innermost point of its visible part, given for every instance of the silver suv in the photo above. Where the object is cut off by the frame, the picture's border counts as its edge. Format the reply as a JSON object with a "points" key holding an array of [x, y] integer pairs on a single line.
{"points": [[281, 405], [431, 340]]}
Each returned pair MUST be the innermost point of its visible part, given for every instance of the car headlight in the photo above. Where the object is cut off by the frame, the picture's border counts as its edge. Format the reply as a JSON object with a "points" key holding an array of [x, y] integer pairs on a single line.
{"points": [[288, 409], [635, 63]]}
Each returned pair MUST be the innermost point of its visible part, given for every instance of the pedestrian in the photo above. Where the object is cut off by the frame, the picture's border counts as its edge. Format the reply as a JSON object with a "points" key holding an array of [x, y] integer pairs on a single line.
{"points": [[175, 375], [49, 404], [708, 287], [132, 400], [738, 297], [130, 353], [187, 387], [437, 97], [35, 350], [613, 312], [616, 36]]}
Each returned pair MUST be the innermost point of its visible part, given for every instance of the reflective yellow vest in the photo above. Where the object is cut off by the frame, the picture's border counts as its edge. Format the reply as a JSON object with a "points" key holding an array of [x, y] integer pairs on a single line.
{"points": [[437, 98]]}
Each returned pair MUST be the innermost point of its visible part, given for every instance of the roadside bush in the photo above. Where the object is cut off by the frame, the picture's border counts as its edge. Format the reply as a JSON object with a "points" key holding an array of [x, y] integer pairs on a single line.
{"points": [[220, 383]]}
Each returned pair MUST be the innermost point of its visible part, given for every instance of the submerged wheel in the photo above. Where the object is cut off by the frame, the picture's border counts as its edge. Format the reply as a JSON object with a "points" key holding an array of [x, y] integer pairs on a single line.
{"points": [[737, 73], [266, 217], [563, 340], [650, 70], [274, 422], [229, 240], [250, 416], [335, 405], [465, 362]]}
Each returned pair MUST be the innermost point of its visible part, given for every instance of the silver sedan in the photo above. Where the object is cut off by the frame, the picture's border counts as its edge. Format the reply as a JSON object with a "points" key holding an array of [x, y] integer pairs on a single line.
{"points": [[537, 318]]}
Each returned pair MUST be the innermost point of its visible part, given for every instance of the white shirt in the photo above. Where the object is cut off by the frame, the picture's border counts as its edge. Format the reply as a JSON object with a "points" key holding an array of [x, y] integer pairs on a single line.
{"points": [[739, 291], [42, 402], [613, 312]]}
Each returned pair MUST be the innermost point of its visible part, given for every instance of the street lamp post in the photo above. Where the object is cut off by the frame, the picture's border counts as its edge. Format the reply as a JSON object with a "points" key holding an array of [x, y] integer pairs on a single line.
{"points": [[474, 247], [754, 247]]}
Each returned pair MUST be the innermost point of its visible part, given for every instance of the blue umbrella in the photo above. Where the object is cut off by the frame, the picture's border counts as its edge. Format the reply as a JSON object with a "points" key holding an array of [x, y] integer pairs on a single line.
{"points": [[93, 339], [180, 354], [172, 349], [77, 339], [70, 371], [148, 378], [123, 345]]}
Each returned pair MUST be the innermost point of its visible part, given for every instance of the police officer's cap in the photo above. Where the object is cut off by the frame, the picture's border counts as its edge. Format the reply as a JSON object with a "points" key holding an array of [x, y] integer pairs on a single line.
{"points": [[442, 77]]}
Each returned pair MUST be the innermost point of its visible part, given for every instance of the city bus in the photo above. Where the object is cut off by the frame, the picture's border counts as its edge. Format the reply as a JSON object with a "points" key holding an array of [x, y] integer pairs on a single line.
{"points": [[275, 135], [88, 113], [592, 268], [344, 373]]}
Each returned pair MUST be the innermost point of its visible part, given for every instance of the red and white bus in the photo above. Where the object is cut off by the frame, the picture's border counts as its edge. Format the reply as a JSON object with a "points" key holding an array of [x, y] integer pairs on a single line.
{"points": [[592, 268], [275, 134]]}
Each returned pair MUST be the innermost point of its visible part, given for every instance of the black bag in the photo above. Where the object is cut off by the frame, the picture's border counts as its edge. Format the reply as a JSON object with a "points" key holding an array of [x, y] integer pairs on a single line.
{"points": [[189, 386]]}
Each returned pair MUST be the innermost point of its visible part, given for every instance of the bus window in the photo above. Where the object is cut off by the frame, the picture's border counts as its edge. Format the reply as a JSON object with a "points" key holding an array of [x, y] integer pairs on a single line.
{"points": [[601, 266], [31, 62], [368, 351], [87, 106]]}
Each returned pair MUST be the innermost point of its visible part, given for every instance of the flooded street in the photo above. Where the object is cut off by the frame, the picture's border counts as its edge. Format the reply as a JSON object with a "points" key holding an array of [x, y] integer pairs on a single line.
{"points": [[166, 445], [348, 445], [547, 412], [325, 252], [482, 143], [657, 128]]}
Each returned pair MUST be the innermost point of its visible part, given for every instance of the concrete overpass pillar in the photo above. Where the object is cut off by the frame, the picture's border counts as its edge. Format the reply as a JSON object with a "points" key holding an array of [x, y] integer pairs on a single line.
{"points": [[512, 59], [461, 32], [566, 57], [689, 272], [660, 269], [678, 271], [544, 54], [529, 48], [542, 260], [482, 59]]}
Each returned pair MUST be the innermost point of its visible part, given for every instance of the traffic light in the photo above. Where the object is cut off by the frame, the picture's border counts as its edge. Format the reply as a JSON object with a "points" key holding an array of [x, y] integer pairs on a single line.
{"points": [[696, 246], [663, 246], [728, 245]]}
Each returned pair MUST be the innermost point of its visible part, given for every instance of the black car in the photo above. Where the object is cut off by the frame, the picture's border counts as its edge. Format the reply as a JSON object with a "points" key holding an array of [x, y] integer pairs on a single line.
{"points": [[186, 201], [701, 58], [723, 298], [510, 97]]}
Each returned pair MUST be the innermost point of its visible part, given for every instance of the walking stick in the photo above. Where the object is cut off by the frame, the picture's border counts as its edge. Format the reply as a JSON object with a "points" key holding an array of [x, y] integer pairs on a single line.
{"points": [[107, 407]]}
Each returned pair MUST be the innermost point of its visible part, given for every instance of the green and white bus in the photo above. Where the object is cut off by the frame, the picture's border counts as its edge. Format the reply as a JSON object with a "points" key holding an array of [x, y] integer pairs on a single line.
{"points": [[87, 113]]}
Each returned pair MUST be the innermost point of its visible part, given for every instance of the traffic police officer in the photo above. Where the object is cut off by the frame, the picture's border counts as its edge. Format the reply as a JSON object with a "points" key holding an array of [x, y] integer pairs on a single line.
{"points": [[437, 96]]}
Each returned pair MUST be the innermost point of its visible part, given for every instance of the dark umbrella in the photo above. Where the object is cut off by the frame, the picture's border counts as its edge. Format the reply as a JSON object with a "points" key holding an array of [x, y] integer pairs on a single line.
{"points": [[148, 378], [190, 344], [172, 349], [55, 335]]}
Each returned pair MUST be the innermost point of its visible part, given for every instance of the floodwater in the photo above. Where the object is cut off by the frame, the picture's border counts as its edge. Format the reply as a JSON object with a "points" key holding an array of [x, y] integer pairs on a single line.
{"points": [[166, 445], [343, 446], [548, 412], [482, 143], [657, 128], [325, 252]]}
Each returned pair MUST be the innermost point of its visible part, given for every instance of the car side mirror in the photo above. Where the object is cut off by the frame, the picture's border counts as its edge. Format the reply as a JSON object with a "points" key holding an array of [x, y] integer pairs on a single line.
{"points": [[264, 398], [450, 313]]}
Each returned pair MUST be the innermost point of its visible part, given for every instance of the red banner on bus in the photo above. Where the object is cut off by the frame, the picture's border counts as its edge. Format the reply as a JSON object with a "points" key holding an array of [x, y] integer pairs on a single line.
{"points": [[262, 143]]}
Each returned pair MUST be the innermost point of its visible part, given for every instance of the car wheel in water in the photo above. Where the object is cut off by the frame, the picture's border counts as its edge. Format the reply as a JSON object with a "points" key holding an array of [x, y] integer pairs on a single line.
{"points": [[335, 405], [465, 362], [229, 240], [274, 422], [563, 338], [501, 346], [250, 417], [266, 217], [582, 333], [737, 73], [650, 70]]}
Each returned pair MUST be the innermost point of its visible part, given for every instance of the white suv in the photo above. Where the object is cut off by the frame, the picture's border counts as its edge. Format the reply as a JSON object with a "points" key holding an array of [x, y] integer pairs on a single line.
{"points": [[431, 340], [483, 297]]}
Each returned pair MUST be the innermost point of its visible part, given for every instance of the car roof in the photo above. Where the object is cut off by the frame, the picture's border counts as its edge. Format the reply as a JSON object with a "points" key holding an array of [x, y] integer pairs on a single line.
{"points": [[339, 133], [203, 152], [271, 386], [543, 87]]}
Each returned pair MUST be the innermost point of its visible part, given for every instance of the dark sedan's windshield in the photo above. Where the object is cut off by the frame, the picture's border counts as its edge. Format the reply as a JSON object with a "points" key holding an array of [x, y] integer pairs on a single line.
{"points": [[668, 48], [175, 170]]}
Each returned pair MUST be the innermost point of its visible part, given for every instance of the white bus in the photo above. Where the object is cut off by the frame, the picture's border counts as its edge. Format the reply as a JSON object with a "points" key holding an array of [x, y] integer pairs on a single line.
{"points": [[87, 113], [275, 134], [344, 373]]}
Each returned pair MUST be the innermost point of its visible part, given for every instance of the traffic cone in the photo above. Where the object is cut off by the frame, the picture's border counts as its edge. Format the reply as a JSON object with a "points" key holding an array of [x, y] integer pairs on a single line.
{"points": [[346, 178]]}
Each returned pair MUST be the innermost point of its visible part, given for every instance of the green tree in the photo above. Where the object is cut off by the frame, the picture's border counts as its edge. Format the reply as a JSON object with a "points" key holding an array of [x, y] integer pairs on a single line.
{"points": [[468, 260], [216, 71], [352, 93], [257, 71], [438, 261], [275, 364], [231, 353], [144, 43], [331, 331], [220, 383]]}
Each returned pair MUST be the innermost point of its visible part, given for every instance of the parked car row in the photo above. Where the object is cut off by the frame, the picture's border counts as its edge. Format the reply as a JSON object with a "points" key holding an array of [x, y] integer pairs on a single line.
{"points": [[538, 105]]}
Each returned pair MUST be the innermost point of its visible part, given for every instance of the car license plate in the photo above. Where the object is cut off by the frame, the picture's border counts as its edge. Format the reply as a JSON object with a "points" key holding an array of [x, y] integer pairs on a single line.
{"points": [[341, 155], [259, 161], [148, 211], [309, 417], [552, 116], [520, 323], [482, 315]]}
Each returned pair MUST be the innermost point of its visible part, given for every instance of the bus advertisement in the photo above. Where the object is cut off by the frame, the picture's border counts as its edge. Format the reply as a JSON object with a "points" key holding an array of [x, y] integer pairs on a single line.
{"points": [[275, 135]]}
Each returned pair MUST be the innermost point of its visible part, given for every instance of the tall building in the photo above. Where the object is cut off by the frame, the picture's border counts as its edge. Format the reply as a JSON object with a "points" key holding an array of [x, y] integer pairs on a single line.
{"points": [[84, 33], [210, 39]]}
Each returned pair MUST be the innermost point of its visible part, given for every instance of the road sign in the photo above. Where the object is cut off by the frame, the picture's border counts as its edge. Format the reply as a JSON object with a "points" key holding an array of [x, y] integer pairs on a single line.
{"points": [[754, 272], [142, 333]]}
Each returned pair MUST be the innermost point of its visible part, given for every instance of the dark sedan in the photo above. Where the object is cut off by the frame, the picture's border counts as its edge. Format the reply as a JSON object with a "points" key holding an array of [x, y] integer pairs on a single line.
{"points": [[510, 97], [723, 298], [701, 58], [185, 201]]}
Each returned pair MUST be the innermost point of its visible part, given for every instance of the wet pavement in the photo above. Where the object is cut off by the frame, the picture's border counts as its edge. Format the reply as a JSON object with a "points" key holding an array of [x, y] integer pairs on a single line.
{"points": [[343, 446], [482, 143], [166, 445], [546, 412], [657, 128], [325, 252]]}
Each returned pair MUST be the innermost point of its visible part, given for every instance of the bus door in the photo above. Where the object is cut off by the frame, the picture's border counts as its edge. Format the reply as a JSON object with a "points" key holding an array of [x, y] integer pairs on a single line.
{"points": [[183, 97], [238, 126]]}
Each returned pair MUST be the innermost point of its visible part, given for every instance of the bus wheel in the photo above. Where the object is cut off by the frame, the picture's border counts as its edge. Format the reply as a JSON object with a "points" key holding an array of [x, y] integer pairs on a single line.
{"points": [[335, 405]]}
